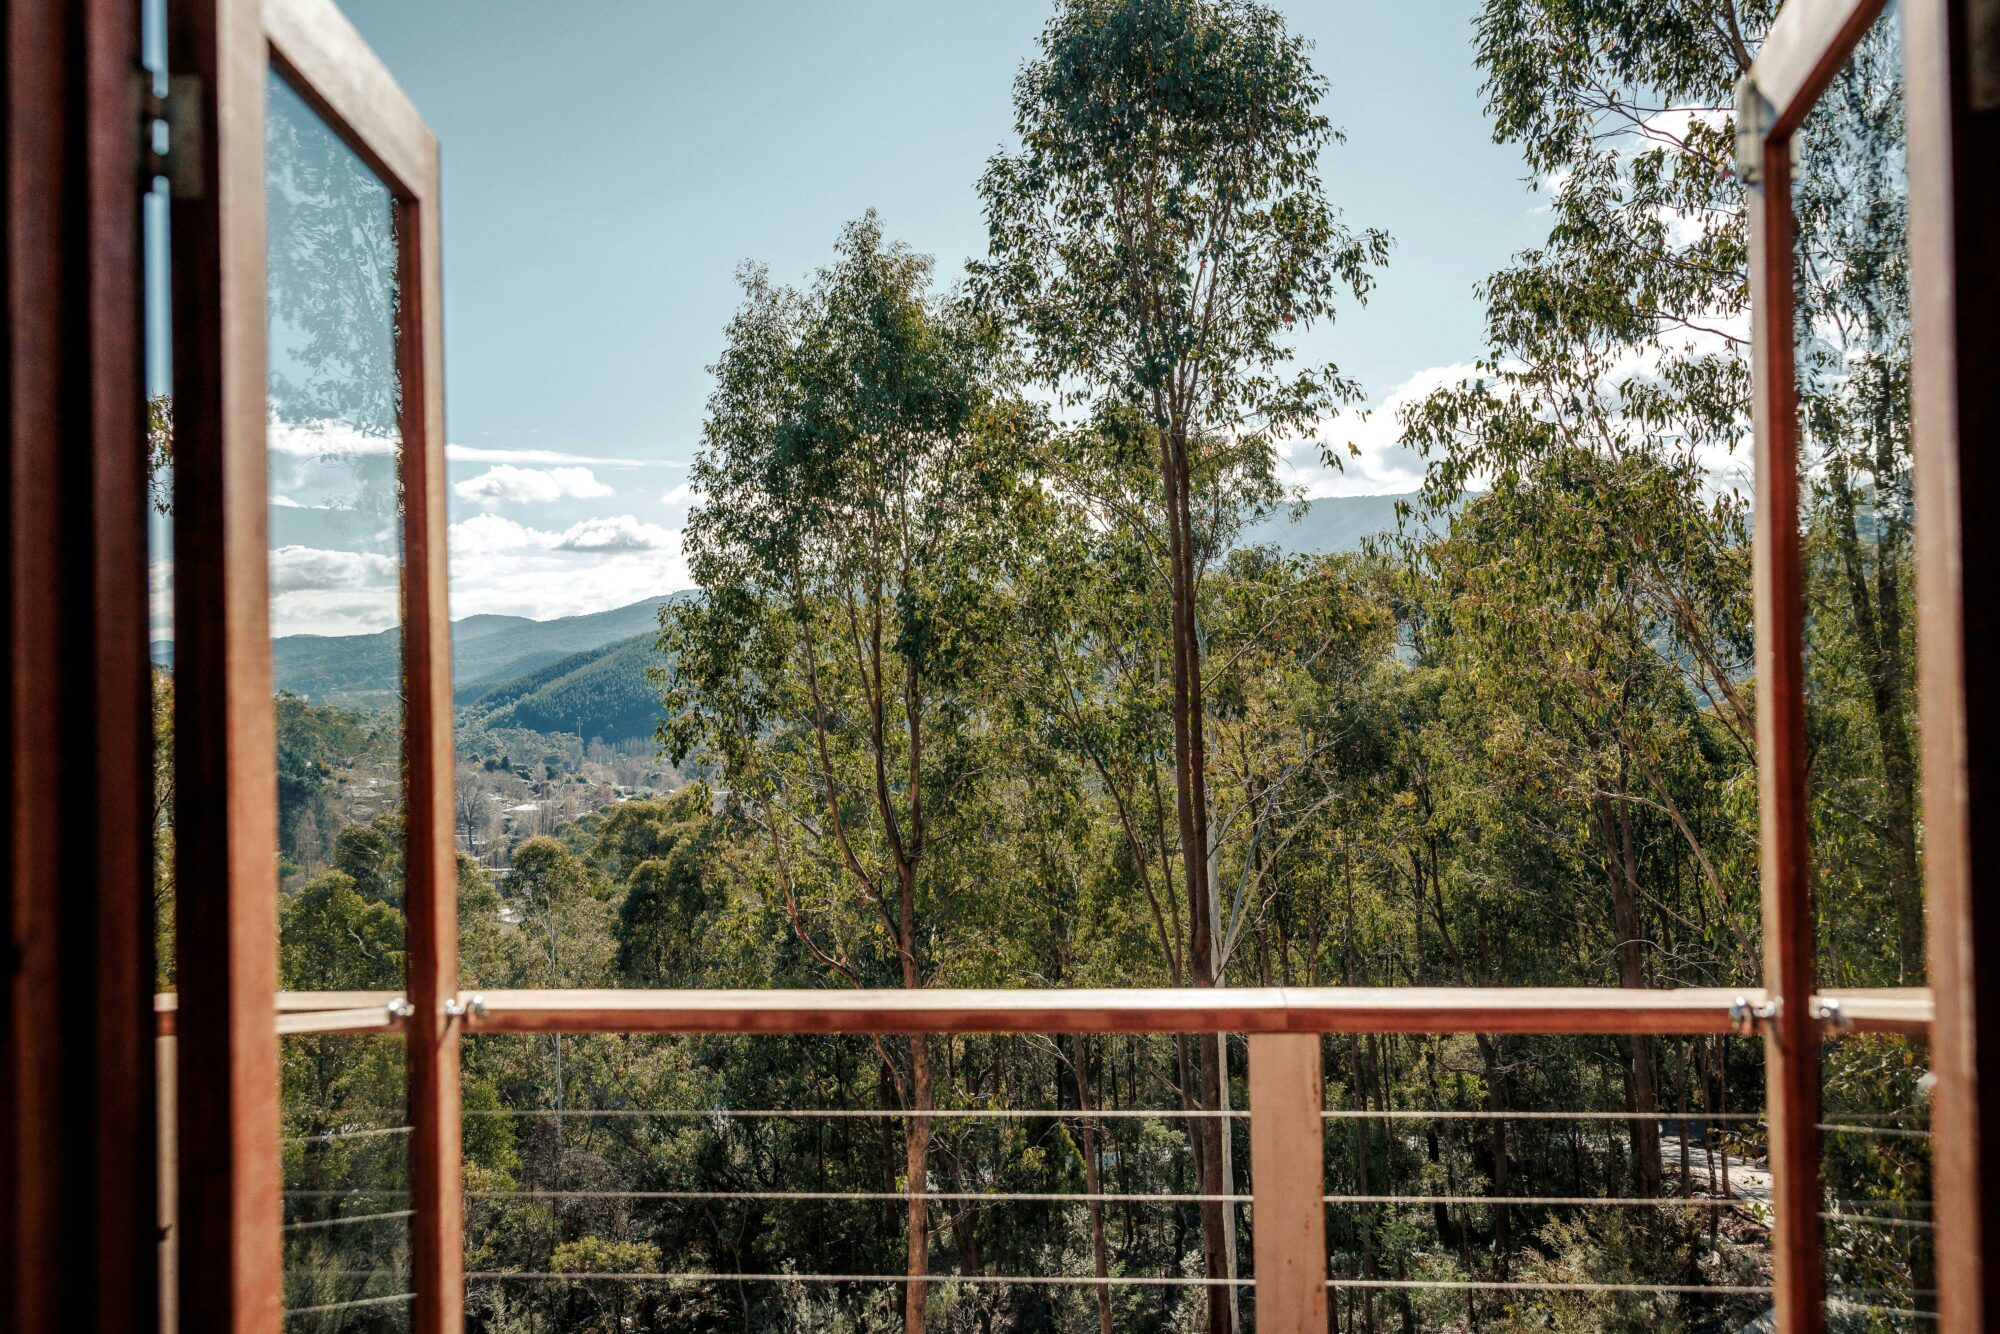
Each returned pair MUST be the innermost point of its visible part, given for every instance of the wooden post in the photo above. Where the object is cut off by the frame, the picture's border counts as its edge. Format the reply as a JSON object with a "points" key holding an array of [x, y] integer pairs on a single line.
{"points": [[167, 1209], [1288, 1183], [1953, 91]]}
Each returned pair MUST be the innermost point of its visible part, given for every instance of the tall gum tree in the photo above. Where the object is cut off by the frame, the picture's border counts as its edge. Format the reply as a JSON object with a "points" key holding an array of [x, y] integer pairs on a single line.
{"points": [[861, 479], [1158, 234]]}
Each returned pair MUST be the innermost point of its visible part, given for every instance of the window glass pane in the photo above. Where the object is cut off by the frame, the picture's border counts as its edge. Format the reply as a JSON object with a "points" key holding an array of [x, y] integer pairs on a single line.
{"points": [[1851, 195], [336, 555], [336, 565], [1856, 516]]}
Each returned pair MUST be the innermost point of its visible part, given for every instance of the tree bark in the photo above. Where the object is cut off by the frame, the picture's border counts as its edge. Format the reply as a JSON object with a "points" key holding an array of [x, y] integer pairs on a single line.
{"points": [[1642, 1100], [916, 1167], [1191, 808], [1878, 625], [1093, 1182]]}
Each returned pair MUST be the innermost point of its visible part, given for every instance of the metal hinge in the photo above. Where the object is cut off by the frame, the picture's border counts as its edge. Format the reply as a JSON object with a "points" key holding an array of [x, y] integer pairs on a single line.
{"points": [[170, 138], [1754, 117]]}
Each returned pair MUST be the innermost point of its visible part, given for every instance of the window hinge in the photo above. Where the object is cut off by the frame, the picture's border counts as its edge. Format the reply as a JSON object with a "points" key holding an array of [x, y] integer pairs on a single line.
{"points": [[170, 138], [1754, 117]]}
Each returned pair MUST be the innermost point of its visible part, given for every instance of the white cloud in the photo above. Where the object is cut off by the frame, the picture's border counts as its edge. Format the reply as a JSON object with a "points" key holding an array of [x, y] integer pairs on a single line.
{"points": [[321, 591], [504, 483], [160, 599], [541, 583], [296, 569], [285, 503], [679, 495], [622, 532], [489, 534], [325, 439], [1382, 465], [335, 438], [334, 612]]}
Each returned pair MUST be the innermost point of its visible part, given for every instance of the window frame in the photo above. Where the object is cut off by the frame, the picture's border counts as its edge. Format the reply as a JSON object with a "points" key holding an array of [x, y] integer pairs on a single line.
{"points": [[229, 1176], [1945, 49]]}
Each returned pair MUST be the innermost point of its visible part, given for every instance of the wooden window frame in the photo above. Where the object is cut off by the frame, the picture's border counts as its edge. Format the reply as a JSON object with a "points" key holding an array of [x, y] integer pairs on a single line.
{"points": [[226, 820], [1952, 113], [228, 1100], [76, 1106]]}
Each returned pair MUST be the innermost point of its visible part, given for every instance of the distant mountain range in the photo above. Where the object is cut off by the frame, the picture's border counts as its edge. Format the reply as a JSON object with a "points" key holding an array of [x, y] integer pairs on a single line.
{"points": [[486, 651], [587, 674], [1330, 524]]}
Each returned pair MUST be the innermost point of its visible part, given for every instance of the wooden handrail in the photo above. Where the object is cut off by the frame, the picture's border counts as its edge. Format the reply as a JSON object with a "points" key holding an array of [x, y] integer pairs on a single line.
{"points": [[1550, 1010], [297, 1011], [1553, 1010]]}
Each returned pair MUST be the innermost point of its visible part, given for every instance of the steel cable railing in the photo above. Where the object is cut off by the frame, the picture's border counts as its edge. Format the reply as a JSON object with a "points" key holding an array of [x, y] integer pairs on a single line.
{"points": [[645, 1125], [368, 1206]]}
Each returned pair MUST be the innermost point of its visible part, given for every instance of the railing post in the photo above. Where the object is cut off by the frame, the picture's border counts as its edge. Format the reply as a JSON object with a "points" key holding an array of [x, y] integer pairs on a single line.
{"points": [[1288, 1183]]}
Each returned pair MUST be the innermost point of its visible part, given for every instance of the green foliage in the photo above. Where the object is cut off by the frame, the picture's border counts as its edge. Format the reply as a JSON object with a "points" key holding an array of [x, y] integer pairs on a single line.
{"points": [[334, 938], [980, 698], [1163, 226], [601, 694], [316, 743]]}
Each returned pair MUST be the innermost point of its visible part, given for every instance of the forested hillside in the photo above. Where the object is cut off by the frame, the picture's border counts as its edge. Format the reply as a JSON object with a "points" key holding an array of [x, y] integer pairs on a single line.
{"points": [[605, 694], [1001, 672], [486, 651]]}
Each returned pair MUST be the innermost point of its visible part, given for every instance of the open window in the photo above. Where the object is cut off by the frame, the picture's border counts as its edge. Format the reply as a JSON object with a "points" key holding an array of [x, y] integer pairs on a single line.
{"points": [[312, 833], [309, 458], [1855, 131]]}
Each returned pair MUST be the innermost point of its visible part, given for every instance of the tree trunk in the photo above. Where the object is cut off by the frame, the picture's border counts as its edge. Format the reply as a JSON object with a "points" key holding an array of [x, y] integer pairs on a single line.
{"points": [[916, 1167], [1878, 624], [1093, 1182], [1642, 1099], [1191, 808]]}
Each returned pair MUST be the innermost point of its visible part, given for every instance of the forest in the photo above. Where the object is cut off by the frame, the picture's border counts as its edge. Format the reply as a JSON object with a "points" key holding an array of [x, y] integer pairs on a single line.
{"points": [[981, 687]]}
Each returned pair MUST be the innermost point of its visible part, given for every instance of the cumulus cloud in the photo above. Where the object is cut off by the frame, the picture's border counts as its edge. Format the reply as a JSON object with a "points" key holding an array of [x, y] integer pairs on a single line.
{"points": [[504, 483], [545, 582], [498, 565], [624, 532], [489, 534], [1366, 442], [325, 591], [334, 612], [296, 568]]}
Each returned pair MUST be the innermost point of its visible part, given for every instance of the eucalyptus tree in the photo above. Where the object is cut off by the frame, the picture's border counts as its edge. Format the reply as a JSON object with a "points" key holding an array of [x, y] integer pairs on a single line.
{"points": [[1851, 200], [862, 480], [1608, 556], [1158, 234]]}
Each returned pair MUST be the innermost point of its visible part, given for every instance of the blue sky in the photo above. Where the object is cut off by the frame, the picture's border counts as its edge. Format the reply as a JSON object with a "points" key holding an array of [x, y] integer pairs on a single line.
{"points": [[609, 163]]}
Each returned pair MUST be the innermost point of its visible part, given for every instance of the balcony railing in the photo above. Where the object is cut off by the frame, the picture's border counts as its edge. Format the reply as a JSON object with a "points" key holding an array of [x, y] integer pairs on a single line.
{"points": [[1288, 1198]]}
